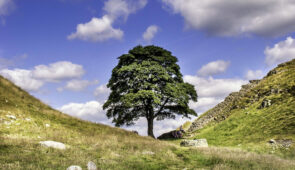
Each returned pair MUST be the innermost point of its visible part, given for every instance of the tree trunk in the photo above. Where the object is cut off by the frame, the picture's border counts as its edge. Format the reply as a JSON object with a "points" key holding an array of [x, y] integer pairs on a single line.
{"points": [[150, 127]]}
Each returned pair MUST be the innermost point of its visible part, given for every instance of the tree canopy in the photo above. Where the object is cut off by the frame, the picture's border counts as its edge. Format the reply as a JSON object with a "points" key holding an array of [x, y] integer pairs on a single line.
{"points": [[147, 82]]}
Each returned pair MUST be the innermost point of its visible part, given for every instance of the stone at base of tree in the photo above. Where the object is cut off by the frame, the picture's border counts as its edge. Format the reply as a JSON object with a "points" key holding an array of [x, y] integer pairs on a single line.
{"points": [[91, 166], [53, 144], [74, 167], [194, 143]]}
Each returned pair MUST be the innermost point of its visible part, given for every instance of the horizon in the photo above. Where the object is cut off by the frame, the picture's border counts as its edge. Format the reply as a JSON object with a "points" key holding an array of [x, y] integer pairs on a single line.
{"points": [[63, 52]]}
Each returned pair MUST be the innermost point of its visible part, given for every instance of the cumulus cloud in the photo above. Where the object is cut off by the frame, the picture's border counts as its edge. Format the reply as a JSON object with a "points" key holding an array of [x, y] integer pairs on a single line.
{"points": [[102, 89], [212, 91], [231, 18], [254, 74], [34, 79], [58, 71], [122, 8], [5, 7], [281, 52], [97, 30], [77, 85], [91, 111], [101, 29], [22, 78], [150, 33], [214, 68]]}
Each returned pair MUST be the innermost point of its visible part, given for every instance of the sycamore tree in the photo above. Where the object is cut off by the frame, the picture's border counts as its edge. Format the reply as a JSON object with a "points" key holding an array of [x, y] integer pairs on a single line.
{"points": [[147, 83]]}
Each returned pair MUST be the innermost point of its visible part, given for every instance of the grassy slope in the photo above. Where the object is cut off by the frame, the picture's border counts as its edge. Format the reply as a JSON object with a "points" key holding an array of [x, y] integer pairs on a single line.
{"points": [[250, 127], [109, 148]]}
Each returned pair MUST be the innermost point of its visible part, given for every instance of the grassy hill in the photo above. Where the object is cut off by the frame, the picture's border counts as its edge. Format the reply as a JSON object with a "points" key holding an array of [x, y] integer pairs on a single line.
{"points": [[261, 111], [25, 121]]}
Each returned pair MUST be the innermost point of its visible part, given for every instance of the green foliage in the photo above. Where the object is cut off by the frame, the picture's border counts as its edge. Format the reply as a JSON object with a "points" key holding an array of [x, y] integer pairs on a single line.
{"points": [[147, 83]]}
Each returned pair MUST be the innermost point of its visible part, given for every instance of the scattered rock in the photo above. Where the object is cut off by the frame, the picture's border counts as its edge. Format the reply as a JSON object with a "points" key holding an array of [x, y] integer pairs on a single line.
{"points": [[91, 166], [7, 123], [47, 125], [11, 117], [265, 103], [272, 141], [74, 167], [53, 144], [194, 143], [28, 119], [283, 143], [148, 153]]}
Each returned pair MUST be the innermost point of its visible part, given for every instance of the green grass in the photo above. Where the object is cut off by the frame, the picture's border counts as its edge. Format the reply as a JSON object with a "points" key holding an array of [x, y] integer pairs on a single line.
{"points": [[108, 147], [249, 127]]}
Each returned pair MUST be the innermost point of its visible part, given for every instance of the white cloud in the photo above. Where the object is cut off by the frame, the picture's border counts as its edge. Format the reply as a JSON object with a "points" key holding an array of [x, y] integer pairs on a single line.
{"points": [[101, 29], [58, 71], [5, 7], [212, 91], [123, 8], [97, 30], [281, 52], [213, 68], [254, 74], [77, 85], [231, 18], [22, 78], [34, 79], [101, 90], [150, 33], [91, 111]]}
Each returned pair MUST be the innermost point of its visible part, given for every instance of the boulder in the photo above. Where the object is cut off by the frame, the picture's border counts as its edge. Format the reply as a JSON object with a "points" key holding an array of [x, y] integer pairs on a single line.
{"points": [[194, 143], [74, 167], [53, 144], [91, 166], [171, 135]]}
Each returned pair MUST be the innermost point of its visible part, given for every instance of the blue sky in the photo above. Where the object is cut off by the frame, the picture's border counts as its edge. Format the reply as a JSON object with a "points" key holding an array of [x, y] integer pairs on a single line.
{"points": [[63, 51]]}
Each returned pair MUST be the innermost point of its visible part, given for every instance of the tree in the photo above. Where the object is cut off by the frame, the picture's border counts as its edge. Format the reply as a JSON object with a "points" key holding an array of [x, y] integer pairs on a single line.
{"points": [[147, 83]]}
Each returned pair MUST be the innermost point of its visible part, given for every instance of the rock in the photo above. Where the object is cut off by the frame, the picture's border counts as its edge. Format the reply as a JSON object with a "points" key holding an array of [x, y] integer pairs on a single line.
{"points": [[194, 143], [91, 166], [272, 141], [11, 117], [74, 167], [265, 103], [148, 153], [134, 131], [28, 119], [53, 144], [47, 125], [174, 134]]}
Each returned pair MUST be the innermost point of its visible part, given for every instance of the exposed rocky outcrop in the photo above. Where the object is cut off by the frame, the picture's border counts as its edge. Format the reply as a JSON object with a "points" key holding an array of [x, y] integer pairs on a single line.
{"points": [[248, 95], [221, 111]]}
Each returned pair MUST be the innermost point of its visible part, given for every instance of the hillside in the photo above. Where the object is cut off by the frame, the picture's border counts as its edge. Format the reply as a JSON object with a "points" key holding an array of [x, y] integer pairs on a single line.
{"points": [[25, 121], [262, 110]]}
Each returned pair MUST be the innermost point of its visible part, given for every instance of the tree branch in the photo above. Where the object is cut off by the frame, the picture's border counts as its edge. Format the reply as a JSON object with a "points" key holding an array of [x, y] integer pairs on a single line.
{"points": [[162, 107]]}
